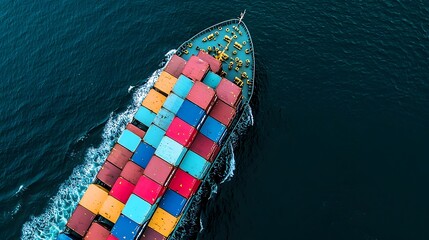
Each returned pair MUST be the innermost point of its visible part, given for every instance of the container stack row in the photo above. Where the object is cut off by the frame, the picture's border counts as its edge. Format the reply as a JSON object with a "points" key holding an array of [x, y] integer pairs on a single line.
{"points": [[160, 159]]}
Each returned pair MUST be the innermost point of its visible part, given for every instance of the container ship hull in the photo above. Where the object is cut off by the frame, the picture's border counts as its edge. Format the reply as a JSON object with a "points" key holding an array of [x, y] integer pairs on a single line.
{"points": [[150, 178]]}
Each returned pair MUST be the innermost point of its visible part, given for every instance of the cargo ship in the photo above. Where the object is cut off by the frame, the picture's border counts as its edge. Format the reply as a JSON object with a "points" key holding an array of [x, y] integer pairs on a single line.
{"points": [[155, 168]]}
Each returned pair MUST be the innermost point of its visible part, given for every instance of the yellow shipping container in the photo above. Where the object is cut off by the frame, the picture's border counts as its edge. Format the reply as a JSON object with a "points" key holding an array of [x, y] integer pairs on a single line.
{"points": [[93, 198], [111, 209], [154, 101], [163, 222], [165, 82]]}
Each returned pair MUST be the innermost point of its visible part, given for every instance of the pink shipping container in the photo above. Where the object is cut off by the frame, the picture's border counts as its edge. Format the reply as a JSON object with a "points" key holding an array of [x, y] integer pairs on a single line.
{"points": [[80, 220], [137, 131], [202, 95], [150, 234], [215, 65], [228, 92], [175, 66], [108, 173], [148, 189], [158, 170], [223, 113], [111, 237], [97, 232], [195, 68], [181, 132], [204, 147], [132, 172], [184, 184], [122, 190]]}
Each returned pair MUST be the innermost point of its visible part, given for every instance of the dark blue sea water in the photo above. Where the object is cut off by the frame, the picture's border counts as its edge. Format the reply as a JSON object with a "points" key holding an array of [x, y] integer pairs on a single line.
{"points": [[339, 148]]}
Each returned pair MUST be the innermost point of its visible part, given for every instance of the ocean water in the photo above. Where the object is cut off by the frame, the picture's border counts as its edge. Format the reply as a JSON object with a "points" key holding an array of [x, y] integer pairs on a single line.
{"points": [[338, 148]]}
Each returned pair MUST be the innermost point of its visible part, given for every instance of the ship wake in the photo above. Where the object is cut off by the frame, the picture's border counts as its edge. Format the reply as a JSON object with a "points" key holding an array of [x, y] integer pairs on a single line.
{"points": [[60, 207]]}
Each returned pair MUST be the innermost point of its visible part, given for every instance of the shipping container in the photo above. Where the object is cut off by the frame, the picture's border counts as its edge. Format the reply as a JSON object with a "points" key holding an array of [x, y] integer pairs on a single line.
{"points": [[212, 80], [184, 184], [163, 119], [205, 147], [120, 149], [150, 234], [122, 190], [202, 95], [165, 82], [191, 113], [228, 92], [154, 135], [213, 129], [181, 132], [97, 232], [223, 113], [132, 172], [173, 102], [195, 68], [93, 198], [183, 86], [172, 203], [194, 164], [63, 236], [80, 220], [215, 65], [111, 209], [170, 151], [137, 131], [153, 101], [175, 66], [117, 158], [108, 173], [143, 154], [158, 170], [163, 222], [148, 190], [111, 237], [138, 209], [125, 228], [129, 140], [144, 116]]}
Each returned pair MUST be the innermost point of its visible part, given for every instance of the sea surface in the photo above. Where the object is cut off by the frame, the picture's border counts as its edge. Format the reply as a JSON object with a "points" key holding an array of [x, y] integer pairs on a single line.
{"points": [[338, 149]]}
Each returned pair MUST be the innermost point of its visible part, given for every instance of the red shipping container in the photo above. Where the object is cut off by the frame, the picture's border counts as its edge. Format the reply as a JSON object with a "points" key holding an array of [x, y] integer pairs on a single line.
{"points": [[175, 66], [195, 69], [150, 234], [122, 190], [204, 147], [137, 131], [119, 156], [228, 92], [181, 132], [132, 172], [97, 232], [111, 237], [202, 95], [127, 153], [108, 173], [80, 220], [158, 170], [148, 189], [223, 112], [215, 65], [184, 184]]}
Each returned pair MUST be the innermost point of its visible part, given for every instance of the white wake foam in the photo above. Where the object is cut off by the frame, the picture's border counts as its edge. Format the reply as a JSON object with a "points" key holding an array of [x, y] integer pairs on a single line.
{"points": [[53, 220]]}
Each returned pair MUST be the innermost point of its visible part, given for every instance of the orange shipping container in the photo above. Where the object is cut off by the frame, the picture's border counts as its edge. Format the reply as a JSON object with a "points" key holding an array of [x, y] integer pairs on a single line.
{"points": [[111, 209], [94, 198], [163, 222], [165, 83], [154, 101]]}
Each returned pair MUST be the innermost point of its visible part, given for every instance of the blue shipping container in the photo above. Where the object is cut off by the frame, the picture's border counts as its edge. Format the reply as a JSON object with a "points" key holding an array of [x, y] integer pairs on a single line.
{"points": [[173, 103], [172, 202], [213, 129], [154, 135], [163, 119], [191, 113], [183, 86], [62, 236], [195, 165], [125, 228], [144, 116], [129, 140], [212, 79], [138, 209], [170, 151], [143, 154]]}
